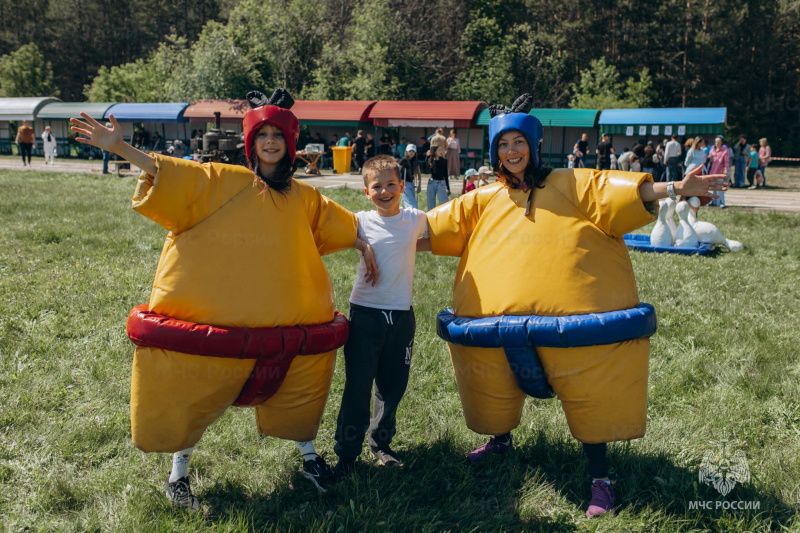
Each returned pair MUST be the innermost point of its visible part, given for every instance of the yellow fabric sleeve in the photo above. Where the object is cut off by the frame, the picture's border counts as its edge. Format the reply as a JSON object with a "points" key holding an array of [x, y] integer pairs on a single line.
{"points": [[450, 225], [334, 227], [610, 199], [183, 192]]}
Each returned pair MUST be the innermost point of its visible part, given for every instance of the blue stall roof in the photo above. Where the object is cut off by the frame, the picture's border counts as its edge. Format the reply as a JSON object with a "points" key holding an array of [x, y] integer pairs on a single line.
{"points": [[151, 113], [674, 115]]}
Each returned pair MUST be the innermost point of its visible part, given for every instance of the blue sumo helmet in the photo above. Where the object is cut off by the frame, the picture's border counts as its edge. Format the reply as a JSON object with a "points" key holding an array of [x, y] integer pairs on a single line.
{"points": [[526, 124]]}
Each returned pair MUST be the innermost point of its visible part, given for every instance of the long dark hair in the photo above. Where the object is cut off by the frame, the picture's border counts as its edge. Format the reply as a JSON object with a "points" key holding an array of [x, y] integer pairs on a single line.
{"points": [[281, 178], [534, 176]]}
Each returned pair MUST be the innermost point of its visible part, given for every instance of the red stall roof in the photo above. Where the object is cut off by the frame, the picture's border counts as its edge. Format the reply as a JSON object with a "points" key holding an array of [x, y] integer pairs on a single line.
{"points": [[203, 110], [332, 110], [304, 110], [426, 114]]}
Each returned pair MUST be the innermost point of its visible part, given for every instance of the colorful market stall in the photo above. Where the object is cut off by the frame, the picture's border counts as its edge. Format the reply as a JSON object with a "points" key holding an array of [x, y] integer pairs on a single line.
{"points": [[415, 120], [562, 129], [15, 110], [57, 115], [627, 126]]}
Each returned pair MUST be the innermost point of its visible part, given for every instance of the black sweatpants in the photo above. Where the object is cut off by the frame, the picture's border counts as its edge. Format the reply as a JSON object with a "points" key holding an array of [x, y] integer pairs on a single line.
{"points": [[378, 349], [25, 150]]}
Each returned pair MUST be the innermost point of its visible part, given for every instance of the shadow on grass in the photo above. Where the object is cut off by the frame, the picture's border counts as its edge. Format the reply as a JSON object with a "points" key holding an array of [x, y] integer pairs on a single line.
{"points": [[541, 486]]}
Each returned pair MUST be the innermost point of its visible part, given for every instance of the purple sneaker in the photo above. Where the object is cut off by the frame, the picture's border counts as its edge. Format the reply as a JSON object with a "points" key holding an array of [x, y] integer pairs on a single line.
{"points": [[493, 446], [603, 499]]}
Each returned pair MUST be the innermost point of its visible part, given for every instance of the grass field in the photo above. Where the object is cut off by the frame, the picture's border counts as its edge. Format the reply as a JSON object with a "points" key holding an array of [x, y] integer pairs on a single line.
{"points": [[75, 259]]}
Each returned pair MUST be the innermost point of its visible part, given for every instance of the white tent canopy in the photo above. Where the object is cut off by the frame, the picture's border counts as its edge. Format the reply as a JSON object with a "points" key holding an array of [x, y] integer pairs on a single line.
{"points": [[23, 108]]}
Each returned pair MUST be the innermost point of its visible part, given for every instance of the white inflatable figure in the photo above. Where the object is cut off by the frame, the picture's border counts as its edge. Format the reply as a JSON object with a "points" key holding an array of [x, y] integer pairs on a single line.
{"points": [[685, 237], [707, 232], [662, 234], [671, 217]]}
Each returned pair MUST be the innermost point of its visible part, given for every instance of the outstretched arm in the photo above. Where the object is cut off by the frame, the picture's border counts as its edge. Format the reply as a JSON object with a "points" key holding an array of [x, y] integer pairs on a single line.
{"points": [[691, 185], [110, 139]]}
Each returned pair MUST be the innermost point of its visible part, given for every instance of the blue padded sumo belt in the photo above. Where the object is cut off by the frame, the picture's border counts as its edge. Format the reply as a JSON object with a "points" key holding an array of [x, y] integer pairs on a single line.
{"points": [[519, 336]]}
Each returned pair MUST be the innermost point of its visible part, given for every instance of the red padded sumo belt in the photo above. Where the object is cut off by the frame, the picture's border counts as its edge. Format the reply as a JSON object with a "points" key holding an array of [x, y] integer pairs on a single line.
{"points": [[275, 348]]}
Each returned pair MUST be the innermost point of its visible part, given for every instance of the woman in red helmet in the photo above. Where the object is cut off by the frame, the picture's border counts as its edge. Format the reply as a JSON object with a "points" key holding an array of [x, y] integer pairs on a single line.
{"points": [[241, 311]]}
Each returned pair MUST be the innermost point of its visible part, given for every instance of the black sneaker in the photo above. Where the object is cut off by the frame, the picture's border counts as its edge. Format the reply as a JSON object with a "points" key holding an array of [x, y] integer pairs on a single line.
{"points": [[179, 493], [345, 468], [387, 457], [319, 473]]}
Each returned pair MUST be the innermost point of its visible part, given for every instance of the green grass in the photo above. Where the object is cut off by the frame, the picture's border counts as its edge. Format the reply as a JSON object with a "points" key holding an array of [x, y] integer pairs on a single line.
{"points": [[75, 258]]}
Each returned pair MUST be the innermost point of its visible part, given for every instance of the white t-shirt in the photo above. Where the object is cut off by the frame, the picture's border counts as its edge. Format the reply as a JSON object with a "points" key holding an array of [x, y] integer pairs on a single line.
{"points": [[394, 242]]}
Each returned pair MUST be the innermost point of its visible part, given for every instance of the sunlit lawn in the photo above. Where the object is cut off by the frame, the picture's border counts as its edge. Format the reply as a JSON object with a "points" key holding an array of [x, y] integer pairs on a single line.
{"points": [[75, 258]]}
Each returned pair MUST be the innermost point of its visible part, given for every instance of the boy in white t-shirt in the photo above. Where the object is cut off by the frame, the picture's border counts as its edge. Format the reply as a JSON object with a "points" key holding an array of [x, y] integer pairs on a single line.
{"points": [[381, 320]]}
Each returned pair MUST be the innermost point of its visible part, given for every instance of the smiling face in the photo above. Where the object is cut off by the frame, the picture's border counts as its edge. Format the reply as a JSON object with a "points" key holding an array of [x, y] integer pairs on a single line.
{"points": [[385, 188], [514, 153], [270, 147]]}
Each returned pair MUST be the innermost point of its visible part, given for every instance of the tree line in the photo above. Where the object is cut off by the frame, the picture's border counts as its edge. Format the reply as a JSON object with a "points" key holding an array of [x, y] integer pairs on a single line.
{"points": [[741, 54]]}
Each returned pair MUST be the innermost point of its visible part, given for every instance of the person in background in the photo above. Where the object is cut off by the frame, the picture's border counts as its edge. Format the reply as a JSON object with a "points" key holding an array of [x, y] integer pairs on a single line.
{"points": [[107, 154], [672, 155], [658, 159], [580, 150], [764, 159], [385, 145], [613, 162], [695, 155], [345, 141], [369, 148], [604, 152], [438, 185], [624, 160], [424, 148], [469, 180], [752, 166], [25, 141], [648, 165], [49, 147], [484, 173], [720, 164], [740, 151], [453, 155], [636, 165], [409, 171], [359, 149], [571, 161]]}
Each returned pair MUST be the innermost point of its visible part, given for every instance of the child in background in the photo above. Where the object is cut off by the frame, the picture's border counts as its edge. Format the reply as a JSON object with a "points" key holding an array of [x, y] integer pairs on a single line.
{"points": [[382, 324], [484, 173], [570, 161], [469, 180], [613, 162], [752, 166], [409, 171]]}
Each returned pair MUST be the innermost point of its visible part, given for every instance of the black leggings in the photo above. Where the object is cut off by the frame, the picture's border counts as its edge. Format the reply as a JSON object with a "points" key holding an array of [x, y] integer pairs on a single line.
{"points": [[598, 465], [26, 149]]}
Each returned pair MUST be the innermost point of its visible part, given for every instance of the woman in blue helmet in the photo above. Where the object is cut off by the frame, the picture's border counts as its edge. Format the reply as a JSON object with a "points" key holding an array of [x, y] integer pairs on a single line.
{"points": [[564, 318]]}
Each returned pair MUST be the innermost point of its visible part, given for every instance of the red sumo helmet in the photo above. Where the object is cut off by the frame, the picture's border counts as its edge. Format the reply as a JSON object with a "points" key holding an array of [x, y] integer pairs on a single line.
{"points": [[277, 115]]}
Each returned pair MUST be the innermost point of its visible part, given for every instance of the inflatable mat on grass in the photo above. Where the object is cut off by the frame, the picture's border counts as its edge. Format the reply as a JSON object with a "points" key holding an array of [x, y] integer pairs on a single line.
{"points": [[641, 243]]}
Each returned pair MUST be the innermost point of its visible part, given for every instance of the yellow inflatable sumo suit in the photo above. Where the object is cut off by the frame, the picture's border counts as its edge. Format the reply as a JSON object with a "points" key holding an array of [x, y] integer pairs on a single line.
{"points": [[235, 256], [567, 257]]}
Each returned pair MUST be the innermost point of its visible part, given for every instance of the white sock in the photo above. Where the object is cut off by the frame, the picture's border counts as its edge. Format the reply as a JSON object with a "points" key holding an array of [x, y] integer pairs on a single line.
{"points": [[308, 450], [180, 464]]}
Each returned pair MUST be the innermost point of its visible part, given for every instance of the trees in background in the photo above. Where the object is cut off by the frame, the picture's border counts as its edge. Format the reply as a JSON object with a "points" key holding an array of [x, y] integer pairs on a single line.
{"points": [[26, 73], [741, 54]]}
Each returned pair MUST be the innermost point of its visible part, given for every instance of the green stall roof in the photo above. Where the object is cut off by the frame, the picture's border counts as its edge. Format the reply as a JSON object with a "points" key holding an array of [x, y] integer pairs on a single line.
{"points": [[569, 118], [65, 111]]}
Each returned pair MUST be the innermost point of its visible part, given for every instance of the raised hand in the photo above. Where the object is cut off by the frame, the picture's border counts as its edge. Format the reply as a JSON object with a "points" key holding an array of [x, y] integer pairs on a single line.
{"points": [[108, 139], [695, 185]]}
